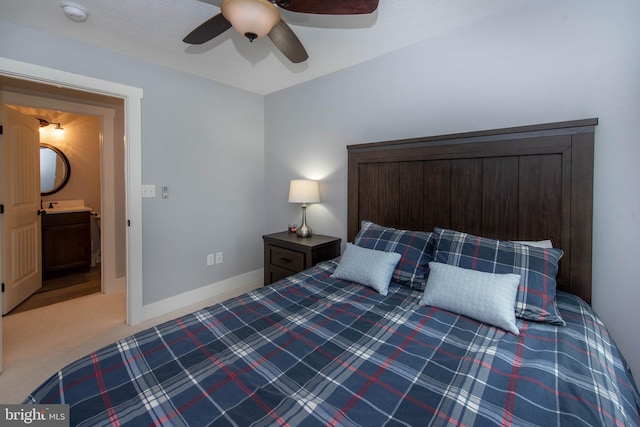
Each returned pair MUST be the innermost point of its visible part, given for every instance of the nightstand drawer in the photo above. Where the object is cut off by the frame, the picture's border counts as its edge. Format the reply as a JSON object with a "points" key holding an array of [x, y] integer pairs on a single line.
{"points": [[275, 274], [284, 258]]}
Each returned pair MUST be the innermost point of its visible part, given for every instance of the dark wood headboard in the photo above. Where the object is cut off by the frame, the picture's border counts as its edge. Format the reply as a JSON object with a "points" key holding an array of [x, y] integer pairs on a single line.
{"points": [[525, 183]]}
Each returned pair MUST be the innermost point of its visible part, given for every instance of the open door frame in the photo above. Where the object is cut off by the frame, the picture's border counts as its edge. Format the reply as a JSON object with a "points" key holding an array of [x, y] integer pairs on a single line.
{"points": [[132, 97], [110, 283]]}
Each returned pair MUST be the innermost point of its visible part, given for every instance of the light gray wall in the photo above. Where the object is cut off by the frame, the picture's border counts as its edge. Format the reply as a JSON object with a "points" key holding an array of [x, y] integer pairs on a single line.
{"points": [[545, 62], [204, 140]]}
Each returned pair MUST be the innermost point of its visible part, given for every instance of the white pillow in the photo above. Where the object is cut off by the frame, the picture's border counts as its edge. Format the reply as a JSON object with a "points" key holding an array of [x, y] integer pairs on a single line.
{"points": [[544, 244], [367, 266], [486, 297]]}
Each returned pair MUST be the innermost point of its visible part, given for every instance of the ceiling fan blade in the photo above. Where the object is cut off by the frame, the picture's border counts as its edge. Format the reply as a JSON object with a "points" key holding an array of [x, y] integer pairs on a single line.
{"points": [[285, 39], [330, 7], [208, 30]]}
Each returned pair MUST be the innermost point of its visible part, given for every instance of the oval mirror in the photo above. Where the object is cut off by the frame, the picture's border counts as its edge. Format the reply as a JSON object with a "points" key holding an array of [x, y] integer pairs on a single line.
{"points": [[54, 169]]}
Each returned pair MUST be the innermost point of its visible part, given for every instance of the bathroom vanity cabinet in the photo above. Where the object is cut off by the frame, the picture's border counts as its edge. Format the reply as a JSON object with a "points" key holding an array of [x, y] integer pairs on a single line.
{"points": [[66, 242]]}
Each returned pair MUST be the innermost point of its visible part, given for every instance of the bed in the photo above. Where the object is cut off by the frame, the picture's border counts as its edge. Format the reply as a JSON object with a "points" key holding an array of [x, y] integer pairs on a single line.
{"points": [[375, 337]]}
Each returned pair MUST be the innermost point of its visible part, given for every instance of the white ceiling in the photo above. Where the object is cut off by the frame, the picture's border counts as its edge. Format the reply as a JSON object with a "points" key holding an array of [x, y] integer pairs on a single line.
{"points": [[153, 30]]}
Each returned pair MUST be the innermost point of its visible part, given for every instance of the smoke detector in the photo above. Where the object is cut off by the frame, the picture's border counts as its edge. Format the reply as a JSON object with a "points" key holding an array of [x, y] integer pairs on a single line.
{"points": [[74, 11]]}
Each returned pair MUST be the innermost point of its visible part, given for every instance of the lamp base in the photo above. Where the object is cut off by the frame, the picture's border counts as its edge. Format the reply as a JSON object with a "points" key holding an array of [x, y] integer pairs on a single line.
{"points": [[304, 230]]}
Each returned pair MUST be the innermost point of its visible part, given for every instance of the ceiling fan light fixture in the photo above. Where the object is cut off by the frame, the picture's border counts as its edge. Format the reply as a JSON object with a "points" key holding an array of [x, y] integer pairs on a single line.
{"points": [[251, 18]]}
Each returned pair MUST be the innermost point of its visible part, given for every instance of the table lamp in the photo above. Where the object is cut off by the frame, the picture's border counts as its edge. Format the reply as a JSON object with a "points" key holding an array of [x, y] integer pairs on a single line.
{"points": [[304, 191]]}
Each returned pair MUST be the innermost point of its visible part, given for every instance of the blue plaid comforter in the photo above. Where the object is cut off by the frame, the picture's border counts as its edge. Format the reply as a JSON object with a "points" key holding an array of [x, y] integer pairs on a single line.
{"points": [[312, 350]]}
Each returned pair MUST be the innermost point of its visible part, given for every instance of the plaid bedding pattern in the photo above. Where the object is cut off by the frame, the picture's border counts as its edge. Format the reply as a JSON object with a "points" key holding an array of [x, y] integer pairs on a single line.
{"points": [[312, 350], [537, 268], [415, 247]]}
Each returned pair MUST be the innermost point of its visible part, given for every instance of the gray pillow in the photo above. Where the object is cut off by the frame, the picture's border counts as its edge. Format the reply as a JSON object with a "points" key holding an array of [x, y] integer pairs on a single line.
{"points": [[537, 267], [486, 297], [367, 266]]}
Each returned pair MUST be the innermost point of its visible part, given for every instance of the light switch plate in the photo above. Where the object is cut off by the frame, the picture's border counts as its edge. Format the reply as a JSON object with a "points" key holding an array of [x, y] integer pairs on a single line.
{"points": [[149, 190]]}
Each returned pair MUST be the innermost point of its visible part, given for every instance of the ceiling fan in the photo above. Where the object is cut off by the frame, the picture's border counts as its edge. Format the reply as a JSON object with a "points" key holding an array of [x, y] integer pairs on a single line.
{"points": [[259, 18]]}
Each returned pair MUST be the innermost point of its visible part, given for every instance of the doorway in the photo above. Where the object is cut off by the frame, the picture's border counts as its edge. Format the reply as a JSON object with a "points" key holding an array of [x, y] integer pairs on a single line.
{"points": [[70, 172], [53, 80], [103, 117]]}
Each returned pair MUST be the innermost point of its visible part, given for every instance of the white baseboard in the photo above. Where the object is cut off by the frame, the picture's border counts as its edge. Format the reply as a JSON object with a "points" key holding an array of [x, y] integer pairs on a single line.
{"points": [[206, 295]]}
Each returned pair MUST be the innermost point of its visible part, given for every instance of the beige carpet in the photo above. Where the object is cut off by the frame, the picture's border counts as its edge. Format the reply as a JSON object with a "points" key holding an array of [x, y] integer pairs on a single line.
{"points": [[39, 342]]}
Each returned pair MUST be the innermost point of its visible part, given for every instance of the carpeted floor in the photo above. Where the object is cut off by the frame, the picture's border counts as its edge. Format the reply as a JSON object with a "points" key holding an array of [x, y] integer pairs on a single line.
{"points": [[39, 342]]}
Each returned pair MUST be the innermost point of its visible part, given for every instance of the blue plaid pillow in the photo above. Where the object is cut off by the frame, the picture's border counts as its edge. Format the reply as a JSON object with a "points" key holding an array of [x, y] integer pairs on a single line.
{"points": [[537, 268], [415, 247]]}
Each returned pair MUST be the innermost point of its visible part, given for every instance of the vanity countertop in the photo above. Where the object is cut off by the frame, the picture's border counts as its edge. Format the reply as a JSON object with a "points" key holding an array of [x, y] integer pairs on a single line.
{"points": [[67, 210], [64, 206]]}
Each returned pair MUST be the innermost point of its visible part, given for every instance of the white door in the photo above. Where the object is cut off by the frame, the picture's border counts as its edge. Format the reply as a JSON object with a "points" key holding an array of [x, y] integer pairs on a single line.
{"points": [[20, 195]]}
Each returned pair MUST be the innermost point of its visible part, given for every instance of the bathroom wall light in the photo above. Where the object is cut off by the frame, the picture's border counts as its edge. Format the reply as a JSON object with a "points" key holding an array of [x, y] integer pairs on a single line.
{"points": [[44, 123]]}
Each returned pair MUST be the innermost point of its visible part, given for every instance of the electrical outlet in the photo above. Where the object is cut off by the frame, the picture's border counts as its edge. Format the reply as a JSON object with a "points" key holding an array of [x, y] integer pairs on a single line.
{"points": [[218, 257], [210, 259]]}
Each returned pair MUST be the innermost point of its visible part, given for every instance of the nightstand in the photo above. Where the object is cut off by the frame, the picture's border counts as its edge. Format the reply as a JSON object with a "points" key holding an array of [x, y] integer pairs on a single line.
{"points": [[286, 254]]}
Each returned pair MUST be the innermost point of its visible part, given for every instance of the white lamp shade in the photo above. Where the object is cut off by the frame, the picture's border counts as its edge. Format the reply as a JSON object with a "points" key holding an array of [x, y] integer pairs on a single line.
{"points": [[251, 16], [304, 191]]}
